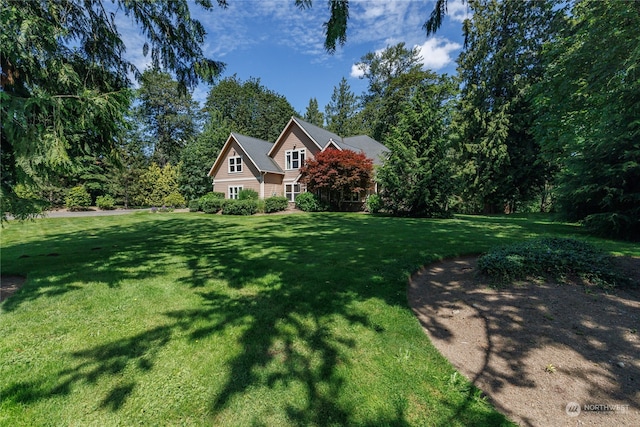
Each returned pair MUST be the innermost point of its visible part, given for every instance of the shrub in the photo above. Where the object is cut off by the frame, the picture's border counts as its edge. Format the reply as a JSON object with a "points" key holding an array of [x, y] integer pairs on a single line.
{"points": [[194, 205], [374, 203], [105, 202], [555, 258], [248, 194], [211, 204], [275, 204], [78, 199], [240, 207], [175, 200], [308, 202]]}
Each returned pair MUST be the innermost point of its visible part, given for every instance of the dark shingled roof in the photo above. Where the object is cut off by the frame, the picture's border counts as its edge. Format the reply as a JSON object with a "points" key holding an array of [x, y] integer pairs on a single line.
{"points": [[257, 150], [319, 135], [369, 146], [360, 143]]}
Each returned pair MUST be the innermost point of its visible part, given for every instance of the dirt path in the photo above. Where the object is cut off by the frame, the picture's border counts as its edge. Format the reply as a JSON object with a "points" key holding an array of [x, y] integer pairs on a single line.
{"points": [[541, 352]]}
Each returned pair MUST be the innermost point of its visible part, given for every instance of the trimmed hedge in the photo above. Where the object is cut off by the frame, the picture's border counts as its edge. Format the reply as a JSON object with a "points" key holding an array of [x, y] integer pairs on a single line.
{"points": [[211, 205], [194, 205], [240, 207], [275, 204]]}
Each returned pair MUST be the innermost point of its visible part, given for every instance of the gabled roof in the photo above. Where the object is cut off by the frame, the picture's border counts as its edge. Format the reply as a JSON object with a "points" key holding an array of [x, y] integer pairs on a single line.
{"points": [[319, 135], [255, 149], [369, 146]]}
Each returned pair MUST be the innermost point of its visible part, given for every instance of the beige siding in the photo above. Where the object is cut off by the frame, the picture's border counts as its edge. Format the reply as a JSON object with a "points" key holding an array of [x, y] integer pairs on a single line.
{"points": [[273, 185], [248, 178], [293, 137]]}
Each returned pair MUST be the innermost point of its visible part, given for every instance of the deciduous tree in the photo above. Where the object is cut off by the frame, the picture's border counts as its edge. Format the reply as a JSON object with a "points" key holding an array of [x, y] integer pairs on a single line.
{"points": [[339, 174]]}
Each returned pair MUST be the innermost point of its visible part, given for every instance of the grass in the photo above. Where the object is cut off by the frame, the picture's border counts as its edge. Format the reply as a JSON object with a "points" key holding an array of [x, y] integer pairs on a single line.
{"points": [[191, 319]]}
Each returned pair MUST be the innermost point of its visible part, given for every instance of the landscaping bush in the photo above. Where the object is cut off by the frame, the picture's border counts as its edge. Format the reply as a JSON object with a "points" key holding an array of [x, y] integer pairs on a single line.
{"points": [[275, 204], [211, 204], [248, 194], [374, 203], [174, 200], [105, 202], [557, 259], [240, 207], [78, 199], [194, 205], [308, 202]]}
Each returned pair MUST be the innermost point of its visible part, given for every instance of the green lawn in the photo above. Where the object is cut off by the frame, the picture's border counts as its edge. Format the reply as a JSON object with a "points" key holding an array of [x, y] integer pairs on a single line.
{"points": [[190, 319]]}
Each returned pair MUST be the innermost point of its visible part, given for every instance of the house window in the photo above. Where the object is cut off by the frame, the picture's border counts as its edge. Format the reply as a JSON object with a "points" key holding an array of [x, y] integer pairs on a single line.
{"points": [[353, 197], [235, 164], [291, 191], [294, 159], [234, 191]]}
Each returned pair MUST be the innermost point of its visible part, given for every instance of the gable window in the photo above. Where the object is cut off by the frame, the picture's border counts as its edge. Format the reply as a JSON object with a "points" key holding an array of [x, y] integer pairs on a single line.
{"points": [[294, 159], [291, 191], [234, 191], [235, 164]]}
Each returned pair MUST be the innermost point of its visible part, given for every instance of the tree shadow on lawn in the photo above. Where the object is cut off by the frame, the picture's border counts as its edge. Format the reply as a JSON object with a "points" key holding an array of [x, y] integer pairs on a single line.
{"points": [[282, 289], [516, 324]]}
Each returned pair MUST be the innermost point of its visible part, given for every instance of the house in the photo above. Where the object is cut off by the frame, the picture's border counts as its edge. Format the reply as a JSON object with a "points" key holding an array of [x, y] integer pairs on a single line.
{"points": [[273, 169]]}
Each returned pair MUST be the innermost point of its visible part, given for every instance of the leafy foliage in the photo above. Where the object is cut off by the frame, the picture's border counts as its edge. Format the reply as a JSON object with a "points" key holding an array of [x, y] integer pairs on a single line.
{"points": [[248, 194], [78, 198], [156, 184], [338, 173], [169, 116], [308, 202], [64, 81], [211, 203], [554, 258], [417, 177], [275, 204], [249, 108], [588, 108], [500, 161], [105, 202], [240, 207], [313, 114], [374, 203], [341, 114], [174, 200]]}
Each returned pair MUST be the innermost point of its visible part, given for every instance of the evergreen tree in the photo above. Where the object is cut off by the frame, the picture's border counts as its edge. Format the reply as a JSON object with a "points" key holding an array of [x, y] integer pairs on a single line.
{"points": [[198, 157], [500, 160], [313, 114], [417, 177], [393, 75], [169, 116], [588, 108], [64, 79], [342, 111]]}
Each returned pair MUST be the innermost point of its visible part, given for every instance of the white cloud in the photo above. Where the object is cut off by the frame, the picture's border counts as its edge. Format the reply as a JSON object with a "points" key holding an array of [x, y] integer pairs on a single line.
{"points": [[458, 11], [356, 72], [436, 52]]}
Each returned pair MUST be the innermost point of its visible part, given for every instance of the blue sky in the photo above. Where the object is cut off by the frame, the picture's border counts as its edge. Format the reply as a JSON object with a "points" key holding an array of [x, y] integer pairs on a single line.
{"points": [[283, 46]]}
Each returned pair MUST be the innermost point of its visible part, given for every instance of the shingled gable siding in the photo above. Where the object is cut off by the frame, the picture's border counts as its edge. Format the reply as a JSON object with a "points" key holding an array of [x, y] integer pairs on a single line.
{"points": [[294, 137], [247, 179]]}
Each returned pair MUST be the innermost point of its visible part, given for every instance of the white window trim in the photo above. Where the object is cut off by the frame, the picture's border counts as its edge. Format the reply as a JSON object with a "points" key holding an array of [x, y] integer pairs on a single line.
{"points": [[237, 162], [288, 158], [237, 188], [302, 189]]}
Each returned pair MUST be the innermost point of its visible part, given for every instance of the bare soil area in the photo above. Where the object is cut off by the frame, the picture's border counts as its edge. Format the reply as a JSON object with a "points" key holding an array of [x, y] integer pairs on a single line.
{"points": [[544, 354], [9, 285]]}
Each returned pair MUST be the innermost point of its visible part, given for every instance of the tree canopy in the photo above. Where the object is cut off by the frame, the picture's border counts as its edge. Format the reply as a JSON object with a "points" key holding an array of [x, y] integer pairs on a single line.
{"points": [[64, 79]]}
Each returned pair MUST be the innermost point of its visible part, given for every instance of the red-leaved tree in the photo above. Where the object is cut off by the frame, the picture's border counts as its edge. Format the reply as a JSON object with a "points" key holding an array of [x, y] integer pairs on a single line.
{"points": [[338, 175]]}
